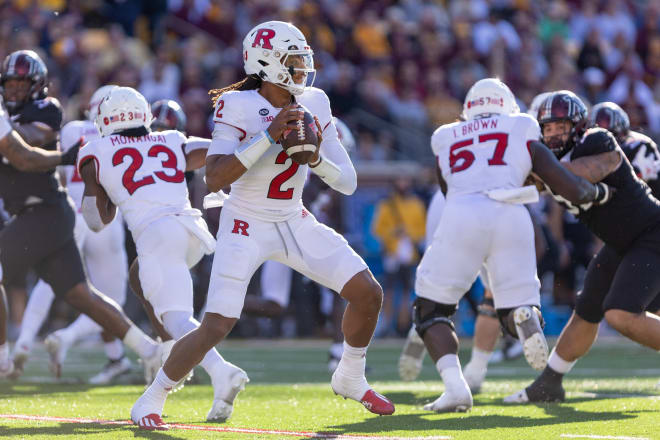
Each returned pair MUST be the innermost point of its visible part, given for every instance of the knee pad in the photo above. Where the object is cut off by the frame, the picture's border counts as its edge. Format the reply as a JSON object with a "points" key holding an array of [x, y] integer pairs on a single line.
{"points": [[503, 315], [427, 313], [487, 308]]}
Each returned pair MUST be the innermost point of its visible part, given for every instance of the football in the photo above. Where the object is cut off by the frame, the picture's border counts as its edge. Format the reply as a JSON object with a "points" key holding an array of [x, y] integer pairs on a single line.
{"points": [[300, 143]]}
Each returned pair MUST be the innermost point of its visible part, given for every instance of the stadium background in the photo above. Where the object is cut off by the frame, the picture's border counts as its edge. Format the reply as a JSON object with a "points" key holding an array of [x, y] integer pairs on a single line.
{"points": [[394, 71]]}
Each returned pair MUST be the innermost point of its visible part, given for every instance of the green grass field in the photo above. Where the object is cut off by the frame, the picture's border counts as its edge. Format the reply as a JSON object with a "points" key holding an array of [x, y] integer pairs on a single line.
{"points": [[611, 394]]}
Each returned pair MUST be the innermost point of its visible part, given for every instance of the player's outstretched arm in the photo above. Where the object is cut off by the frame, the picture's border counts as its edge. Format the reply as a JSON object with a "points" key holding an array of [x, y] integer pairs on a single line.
{"points": [[26, 158], [575, 189], [97, 208], [596, 167], [195, 150]]}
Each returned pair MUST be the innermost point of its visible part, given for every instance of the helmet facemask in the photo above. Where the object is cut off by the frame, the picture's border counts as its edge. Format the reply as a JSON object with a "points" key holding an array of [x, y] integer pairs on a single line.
{"points": [[297, 65]]}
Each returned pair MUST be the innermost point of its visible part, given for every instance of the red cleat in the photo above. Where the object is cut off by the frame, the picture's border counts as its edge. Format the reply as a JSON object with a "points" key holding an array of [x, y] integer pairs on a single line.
{"points": [[152, 422], [377, 403]]}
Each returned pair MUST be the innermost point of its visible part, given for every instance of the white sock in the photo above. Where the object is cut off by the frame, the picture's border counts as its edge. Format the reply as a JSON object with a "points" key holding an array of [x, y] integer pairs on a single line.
{"points": [[136, 340], [35, 314], [78, 329], [156, 394], [114, 349], [450, 370], [353, 360], [480, 358], [558, 364]]}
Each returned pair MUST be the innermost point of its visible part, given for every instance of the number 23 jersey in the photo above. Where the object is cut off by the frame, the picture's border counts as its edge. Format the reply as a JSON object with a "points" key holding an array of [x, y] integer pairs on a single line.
{"points": [[479, 155], [271, 189], [143, 175]]}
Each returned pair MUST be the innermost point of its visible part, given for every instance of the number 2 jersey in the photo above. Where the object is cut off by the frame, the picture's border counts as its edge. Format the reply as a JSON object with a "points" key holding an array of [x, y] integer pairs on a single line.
{"points": [[143, 175], [271, 189], [480, 155]]}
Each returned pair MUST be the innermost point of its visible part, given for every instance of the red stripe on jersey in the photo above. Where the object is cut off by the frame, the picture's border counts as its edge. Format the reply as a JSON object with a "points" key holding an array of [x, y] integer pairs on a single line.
{"points": [[239, 129], [529, 148]]}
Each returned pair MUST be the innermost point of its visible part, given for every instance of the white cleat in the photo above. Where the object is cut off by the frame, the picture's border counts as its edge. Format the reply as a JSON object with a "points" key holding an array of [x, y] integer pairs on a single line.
{"points": [[357, 388], [6, 367], [412, 356], [451, 402], [223, 403], [57, 347], [21, 354], [147, 415], [519, 397], [111, 370], [531, 336], [474, 377]]}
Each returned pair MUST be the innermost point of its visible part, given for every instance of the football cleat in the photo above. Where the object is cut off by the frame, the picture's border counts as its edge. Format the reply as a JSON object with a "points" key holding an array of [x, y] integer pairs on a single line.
{"points": [[531, 336], [412, 356], [474, 377], [6, 368], [224, 406], [111, 370], [57, 347], [541, 390], [152, 422], [460, 401], [21, 354], [360, 391], [519, 397]]}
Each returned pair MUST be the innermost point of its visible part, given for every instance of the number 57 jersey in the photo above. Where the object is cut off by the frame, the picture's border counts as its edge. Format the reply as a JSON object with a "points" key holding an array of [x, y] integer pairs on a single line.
{"points": [[479, 155], [143, 175]]}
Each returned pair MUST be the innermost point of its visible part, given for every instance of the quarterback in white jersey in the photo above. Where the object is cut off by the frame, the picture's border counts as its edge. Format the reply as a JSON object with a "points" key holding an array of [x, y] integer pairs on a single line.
{"points": [[104, 256], [142, 173], [484, 161], [264, 218]]}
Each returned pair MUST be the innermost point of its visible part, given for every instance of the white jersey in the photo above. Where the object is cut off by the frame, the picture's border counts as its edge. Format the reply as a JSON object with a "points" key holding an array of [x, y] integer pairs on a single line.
{"points": [[143, 176], [479, 155], [69, 135], [271, 189]]}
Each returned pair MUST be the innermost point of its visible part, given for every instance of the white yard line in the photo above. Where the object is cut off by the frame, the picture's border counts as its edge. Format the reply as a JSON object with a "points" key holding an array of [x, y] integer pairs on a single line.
{"points": [[307, 434], [623, 437]]}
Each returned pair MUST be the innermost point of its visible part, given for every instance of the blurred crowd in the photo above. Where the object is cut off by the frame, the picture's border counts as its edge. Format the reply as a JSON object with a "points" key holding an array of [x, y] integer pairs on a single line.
{"points": [[394, 70]]}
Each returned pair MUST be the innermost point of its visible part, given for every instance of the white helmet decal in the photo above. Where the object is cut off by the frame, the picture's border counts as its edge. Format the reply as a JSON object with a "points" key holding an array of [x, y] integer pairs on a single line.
{"points": [[276, 51], [488, 96], [95, 100], [121, 109]]}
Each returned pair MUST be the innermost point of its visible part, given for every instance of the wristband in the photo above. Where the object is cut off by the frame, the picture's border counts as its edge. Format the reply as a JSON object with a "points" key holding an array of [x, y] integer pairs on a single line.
{"points": [[326, 170], [249, 152]]}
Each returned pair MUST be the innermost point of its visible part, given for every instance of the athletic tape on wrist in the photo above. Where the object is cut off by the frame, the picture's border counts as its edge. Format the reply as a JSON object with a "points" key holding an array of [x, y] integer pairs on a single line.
{"points": [[248, 153], [327, 171]]}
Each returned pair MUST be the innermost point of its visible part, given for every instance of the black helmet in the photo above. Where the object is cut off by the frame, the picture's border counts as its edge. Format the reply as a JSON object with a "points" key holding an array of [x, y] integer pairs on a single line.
{"points": [[25, 64], [563, 105], [611, 117], [168, 115]]}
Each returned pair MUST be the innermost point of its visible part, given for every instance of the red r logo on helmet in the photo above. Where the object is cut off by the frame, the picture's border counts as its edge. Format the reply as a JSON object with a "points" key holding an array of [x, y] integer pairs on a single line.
{"points": [[263, 38]]}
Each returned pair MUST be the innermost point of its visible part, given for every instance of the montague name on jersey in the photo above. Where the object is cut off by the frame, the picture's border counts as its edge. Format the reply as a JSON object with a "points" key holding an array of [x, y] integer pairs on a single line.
{"points": [[123, 140], [469, 127]]}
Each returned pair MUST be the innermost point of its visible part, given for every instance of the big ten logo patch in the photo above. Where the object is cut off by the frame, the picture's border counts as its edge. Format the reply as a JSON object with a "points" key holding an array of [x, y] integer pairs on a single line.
{"points": [[240, 227]]}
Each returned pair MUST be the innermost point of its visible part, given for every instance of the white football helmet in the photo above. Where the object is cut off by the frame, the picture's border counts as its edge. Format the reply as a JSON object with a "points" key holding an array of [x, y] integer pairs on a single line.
{"points": [[95, 100], [536, 104], [275, 51], [488, 96], [345, 136], [122, 108]]}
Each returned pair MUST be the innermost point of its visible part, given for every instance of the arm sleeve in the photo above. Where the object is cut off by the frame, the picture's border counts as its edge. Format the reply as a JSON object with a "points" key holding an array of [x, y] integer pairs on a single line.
{"points": [[333, 151], [196, 143]]}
